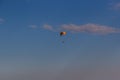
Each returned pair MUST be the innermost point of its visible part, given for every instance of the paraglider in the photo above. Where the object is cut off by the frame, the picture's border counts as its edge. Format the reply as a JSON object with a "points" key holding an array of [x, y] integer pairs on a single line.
{"points": [[62, 34]]}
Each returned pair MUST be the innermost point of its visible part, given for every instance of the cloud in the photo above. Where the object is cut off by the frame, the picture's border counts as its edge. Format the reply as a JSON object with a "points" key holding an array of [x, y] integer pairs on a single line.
{"points": [[86, 28], [115, 6], [33, 26], [1, 21], [48, 27], [90, 28]]}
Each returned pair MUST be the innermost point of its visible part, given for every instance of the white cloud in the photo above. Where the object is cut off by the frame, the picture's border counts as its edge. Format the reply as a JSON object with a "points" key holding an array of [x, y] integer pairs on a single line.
{"points": [[48, 27], [115, 6], [86, 28], [33, 26], [1, 21], [90, 28]]}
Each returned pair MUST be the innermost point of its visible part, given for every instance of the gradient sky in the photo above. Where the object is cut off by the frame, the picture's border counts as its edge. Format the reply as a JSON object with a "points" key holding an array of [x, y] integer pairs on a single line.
{"points": [[31, 49]]}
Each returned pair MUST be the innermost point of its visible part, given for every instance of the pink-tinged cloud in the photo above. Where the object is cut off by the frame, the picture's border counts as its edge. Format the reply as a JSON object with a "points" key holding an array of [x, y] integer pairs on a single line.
{"points": [[33, 26], [116, 6], [48, 27], [1, 21], [90, 28]]}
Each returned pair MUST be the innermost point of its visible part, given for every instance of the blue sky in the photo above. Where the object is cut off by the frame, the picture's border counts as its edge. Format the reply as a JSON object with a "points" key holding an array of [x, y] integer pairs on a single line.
{"points": [[31, 48]]}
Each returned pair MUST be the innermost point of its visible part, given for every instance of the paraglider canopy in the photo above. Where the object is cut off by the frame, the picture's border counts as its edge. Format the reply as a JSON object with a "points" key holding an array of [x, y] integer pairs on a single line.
{"points": [[62, 33]]}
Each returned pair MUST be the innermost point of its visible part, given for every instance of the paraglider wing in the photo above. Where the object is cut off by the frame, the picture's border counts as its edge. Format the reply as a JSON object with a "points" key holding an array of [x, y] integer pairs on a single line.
{"points": [[62, 33]]}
